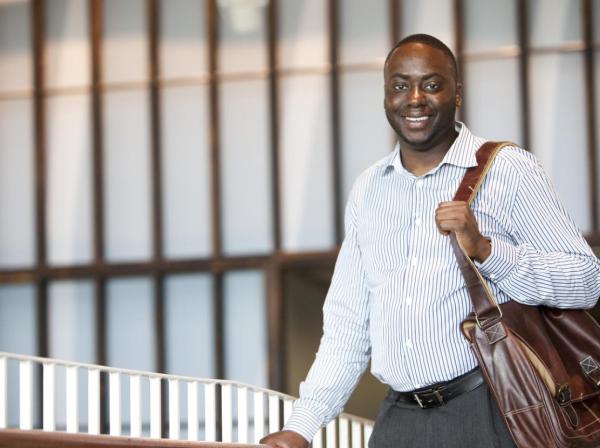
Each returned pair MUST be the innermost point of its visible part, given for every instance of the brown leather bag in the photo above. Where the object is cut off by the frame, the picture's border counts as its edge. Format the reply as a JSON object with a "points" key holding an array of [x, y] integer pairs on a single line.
{"points": [[541, 364]]}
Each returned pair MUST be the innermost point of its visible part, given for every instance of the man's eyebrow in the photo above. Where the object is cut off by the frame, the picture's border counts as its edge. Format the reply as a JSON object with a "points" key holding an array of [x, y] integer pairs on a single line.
{"points": [[427, 76]]}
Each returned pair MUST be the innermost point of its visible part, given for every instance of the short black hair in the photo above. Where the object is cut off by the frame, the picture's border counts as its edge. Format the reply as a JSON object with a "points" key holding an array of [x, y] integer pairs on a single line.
{"points": [[430, 41]]}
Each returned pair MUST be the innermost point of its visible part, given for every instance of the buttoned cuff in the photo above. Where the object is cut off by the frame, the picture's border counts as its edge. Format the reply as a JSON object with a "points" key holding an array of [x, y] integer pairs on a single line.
{"points": [[501, 261], [304, 421]]}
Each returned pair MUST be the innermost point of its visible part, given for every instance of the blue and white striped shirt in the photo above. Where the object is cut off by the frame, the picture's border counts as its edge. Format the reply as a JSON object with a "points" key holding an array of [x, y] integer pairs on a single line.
{"points": [[397, 295]]}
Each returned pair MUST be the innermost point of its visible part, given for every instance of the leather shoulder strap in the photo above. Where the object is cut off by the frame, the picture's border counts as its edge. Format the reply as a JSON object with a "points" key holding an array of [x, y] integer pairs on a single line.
{"points": [[484, 303]]}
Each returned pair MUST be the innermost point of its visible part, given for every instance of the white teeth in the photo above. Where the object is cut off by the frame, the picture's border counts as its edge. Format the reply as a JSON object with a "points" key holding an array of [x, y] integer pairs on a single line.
{"points": [[417, 118]]}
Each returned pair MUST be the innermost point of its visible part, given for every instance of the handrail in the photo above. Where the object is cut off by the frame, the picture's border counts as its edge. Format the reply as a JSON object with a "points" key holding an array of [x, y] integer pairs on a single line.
{"points": [[258, 410]]}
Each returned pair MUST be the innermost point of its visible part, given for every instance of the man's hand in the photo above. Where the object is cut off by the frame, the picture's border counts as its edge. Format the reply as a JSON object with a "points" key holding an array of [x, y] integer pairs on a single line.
{"points": [[457, 217], [285, 439]]}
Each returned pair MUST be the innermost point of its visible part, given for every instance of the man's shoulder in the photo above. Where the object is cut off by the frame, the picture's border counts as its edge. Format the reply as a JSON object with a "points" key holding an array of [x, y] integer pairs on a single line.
{"points": [[516, 160]]}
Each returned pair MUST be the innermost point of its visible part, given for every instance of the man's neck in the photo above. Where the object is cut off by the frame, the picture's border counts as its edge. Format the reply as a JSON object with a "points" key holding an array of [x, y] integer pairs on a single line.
{"points": [[420, 161]]}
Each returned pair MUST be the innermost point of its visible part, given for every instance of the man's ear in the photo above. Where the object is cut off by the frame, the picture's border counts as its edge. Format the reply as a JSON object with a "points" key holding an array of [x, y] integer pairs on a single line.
{"points": [[458, 94]]}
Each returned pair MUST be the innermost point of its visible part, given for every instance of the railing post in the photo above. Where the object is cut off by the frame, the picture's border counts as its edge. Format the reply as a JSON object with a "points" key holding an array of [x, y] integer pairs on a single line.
{"points": [[367, 430], [25, 395], [48, 393], [72, 403], [356, 434], [114, 388], [242, 414], [273, 413], [344, 433], [192, 417], [226, 413], [174, 409], [330, 435], [259, 416], [94, 401], [287, 409], [135, 406], [210, 418], [318, 439], [3, 392], [155, 408]]}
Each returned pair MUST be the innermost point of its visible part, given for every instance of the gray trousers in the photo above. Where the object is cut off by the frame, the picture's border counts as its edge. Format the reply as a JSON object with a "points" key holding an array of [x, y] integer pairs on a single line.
{"points": [[469, 420]]}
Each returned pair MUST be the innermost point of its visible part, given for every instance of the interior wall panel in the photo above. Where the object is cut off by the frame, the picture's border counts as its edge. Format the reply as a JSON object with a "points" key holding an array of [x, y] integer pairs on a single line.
{"points": [[127, 175], [435, 17], [559, 129], [245, 168], [554, 22], [15, 44], [125, 41], [69, 179], [183, 49], [489, 25], [67, 43], [185, 162], [17, 194], [363, 40], [306, 166]]}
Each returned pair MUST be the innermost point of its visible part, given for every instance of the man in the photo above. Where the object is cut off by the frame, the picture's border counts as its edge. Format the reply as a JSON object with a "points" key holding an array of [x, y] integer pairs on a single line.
{"points": [[397, 295]]}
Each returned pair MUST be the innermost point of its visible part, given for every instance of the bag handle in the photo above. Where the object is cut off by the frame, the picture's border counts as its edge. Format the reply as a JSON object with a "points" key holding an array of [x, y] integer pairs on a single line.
{"points": [[484, 303]]}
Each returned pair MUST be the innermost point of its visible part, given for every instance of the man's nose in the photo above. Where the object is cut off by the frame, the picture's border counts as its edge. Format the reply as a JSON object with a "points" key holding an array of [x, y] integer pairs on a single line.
{"points": [[416, 96]]}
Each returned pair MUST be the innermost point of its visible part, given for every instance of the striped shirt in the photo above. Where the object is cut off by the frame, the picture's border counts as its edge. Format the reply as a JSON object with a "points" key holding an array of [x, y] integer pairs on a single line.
{"points": [[397, 296]]}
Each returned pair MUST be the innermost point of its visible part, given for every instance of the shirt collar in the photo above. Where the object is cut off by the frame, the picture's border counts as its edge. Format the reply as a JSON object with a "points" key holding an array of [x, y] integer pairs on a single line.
{"points": [[461, 153]]}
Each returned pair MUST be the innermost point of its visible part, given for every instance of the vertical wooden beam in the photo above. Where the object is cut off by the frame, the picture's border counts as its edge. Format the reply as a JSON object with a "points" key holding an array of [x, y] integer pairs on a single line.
{"points": [[338, 206], [591, 109], [38, 30], [522, 22], [459, 38], [276, 336], [218, 296], [395, 7], [96, 24]]}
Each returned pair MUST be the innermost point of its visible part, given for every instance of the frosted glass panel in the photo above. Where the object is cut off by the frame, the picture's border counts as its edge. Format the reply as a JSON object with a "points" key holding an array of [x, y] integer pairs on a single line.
{"points": [[553, 22], [127, 175], [243, 44], [17, 195], [15, 47], [365, 130], [364, 30], [558, 129], [69, 188], [245, 167], [492, 99], [125, 51], [183, 49], [489, 24], [67, 43], [245, 328], [130, 324], [186, 176], [306, 169], [18, 326], [189, 325], [302, 33], [71, 312], [433, 17]]}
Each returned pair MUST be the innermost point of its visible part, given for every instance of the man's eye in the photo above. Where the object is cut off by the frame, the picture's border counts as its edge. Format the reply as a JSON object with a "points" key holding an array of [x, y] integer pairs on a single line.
{"points": [[432, 86], [399, 87]]}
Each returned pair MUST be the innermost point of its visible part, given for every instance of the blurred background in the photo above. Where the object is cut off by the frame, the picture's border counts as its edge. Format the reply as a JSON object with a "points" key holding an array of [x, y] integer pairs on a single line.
{"points": [[173, 173]]}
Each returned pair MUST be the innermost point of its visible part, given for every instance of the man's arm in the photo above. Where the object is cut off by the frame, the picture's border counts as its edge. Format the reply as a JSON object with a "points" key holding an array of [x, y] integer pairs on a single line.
{"points": [[551, 264], [344, 351]]}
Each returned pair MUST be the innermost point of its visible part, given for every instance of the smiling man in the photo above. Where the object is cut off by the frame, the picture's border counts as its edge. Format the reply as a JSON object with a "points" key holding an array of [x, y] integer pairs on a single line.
{"points": [[397, 296]]}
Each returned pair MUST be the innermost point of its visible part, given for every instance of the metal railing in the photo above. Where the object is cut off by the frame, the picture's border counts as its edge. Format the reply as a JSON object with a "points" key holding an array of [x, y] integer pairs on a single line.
{"points": [[243, 412]]}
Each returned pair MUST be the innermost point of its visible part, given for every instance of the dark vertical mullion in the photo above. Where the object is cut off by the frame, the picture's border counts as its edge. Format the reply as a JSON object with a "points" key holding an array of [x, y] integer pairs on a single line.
{"points": [[459, 39], [395, 24], [218, 295], [276, 362], [592, 137], [95, 21], [157, 224], [523, 35], [333, 21], [37, 29]]}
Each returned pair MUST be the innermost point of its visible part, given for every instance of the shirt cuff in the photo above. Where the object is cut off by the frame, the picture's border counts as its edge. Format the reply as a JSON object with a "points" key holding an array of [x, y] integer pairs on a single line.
{"points": [[501, 261], [303, 421]]}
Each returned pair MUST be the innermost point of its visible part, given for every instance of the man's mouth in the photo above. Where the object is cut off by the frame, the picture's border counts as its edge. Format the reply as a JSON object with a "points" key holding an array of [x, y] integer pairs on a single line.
{"points": [[417, 119]]}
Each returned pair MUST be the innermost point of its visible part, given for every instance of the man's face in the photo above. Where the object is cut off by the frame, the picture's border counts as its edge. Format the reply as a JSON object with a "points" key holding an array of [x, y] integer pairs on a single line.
{"points": [[421, 95]]}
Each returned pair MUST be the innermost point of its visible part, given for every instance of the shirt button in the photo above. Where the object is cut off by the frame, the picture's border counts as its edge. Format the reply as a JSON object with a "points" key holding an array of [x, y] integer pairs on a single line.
{"points": [[408, 300], [414, 261], [408, 343], [419, 183]]}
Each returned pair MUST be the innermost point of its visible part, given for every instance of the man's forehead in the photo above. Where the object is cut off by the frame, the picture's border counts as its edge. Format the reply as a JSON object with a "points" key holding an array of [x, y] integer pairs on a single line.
{"points": [[422, 54]]}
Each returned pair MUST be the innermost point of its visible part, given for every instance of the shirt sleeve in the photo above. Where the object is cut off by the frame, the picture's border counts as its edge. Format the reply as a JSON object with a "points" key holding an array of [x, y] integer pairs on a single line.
{"points": [[551, 263], [345, 348]]}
